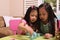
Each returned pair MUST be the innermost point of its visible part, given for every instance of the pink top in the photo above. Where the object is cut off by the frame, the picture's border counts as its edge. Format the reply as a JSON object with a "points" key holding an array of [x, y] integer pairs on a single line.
{"points": [[14, 25]]}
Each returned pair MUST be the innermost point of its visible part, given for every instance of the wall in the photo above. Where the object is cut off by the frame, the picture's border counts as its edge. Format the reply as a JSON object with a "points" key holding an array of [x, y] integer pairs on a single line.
{"points": [[16, 7], [4, 7], [11, 7]]}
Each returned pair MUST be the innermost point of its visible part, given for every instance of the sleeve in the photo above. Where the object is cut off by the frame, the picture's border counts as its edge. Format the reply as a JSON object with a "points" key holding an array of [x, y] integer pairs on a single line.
{"points": [[7, 19]]}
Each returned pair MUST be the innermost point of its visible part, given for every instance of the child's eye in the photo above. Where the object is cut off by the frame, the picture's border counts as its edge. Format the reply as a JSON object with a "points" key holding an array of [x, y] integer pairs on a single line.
{"points": [[32, 15]]}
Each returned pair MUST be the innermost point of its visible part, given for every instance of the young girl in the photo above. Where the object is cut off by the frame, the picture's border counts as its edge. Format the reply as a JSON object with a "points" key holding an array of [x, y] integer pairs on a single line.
{"points": [[47, 20], [31, 17]]}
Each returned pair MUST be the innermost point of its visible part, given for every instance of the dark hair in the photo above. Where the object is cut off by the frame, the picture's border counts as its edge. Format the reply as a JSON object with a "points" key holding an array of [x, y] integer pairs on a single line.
{"points": [[27, 16], [51, 15]]}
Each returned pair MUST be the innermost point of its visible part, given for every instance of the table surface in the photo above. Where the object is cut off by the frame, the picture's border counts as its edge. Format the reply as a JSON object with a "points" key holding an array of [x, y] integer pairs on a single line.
{"points": [[23, 37]]}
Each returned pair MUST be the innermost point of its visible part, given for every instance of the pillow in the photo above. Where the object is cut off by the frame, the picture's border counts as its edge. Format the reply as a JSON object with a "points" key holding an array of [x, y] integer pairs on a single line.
{"points": [[7, 19]]}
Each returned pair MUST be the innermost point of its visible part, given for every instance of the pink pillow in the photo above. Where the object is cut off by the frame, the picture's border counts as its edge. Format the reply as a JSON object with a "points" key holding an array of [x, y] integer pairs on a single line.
{"points": [[14, 25]]}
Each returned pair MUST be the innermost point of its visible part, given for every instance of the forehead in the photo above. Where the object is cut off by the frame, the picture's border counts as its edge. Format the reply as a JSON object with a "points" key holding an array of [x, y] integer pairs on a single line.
{"points": [[42, 10], [33, 12]]}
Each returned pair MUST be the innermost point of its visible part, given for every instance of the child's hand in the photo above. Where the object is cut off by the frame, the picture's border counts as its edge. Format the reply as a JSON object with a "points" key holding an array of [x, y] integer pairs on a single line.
{"points": [[21, 25], [25, 27], [48, 35]]}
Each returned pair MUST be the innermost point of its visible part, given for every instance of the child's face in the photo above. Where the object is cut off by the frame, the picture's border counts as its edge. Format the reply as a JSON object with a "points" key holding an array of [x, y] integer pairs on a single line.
{"points": [[43, 15], [33, 15]]}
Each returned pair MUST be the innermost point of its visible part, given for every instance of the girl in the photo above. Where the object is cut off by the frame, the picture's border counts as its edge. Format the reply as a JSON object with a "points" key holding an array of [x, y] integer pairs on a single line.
{"points": [[31, 17], [47, 20]]}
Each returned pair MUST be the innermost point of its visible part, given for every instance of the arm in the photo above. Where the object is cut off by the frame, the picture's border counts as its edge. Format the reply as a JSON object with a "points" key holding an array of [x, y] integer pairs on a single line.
{"points": [[26, 28]]}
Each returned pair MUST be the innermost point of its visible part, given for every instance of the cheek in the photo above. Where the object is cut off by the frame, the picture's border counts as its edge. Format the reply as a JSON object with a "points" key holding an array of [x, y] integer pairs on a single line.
{"points": [[31, 18], [36, 18], [46, 17]]}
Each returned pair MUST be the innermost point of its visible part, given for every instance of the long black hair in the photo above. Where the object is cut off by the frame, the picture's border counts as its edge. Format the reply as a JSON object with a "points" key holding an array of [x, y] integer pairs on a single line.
{"points": [[27, 16], [51, 15]]}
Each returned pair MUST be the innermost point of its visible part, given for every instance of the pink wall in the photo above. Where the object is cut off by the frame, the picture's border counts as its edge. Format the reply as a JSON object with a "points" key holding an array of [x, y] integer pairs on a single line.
{"points": [[4, 7], [16, 7], [11, 7]]}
